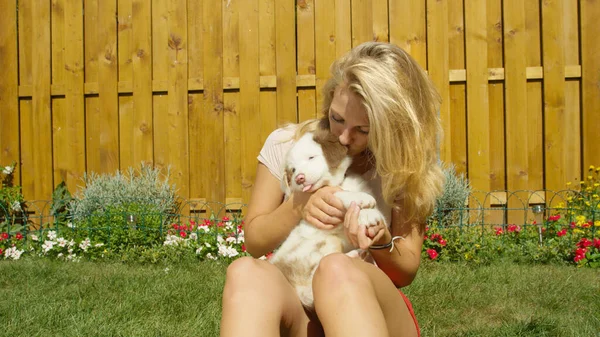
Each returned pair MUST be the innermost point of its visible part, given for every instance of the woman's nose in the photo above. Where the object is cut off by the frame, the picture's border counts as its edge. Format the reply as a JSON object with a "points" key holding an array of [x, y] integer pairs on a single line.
{"points": [[345, 138]]}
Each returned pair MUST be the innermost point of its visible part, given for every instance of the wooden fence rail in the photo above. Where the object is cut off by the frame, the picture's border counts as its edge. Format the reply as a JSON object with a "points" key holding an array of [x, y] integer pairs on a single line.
{"points": [[197, 85]]}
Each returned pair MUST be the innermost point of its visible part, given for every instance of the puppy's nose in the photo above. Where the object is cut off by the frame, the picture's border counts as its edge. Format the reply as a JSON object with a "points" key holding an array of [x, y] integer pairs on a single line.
{"points": [[300, 179]]}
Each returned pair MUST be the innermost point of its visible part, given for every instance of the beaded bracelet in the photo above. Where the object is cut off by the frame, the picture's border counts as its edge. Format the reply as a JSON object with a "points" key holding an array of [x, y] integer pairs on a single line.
{"points": [[387, 245]]}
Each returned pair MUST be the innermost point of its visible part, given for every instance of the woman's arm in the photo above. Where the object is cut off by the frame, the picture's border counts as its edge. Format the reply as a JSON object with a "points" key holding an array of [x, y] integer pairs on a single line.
{"points": [[402, 263]]}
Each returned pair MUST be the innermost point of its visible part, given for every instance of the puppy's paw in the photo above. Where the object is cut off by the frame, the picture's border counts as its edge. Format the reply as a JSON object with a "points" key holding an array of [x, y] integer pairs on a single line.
{"points": [[370, 217], [363, 200]]}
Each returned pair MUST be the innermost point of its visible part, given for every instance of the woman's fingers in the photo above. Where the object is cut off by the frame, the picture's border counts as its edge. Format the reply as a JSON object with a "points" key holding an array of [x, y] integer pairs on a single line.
{"points": [[351, 224], [363, 240]]}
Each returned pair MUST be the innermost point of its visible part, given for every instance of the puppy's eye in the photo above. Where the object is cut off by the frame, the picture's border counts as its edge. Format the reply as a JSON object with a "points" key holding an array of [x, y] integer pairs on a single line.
{"points": [[293, 170], [311, 158]]}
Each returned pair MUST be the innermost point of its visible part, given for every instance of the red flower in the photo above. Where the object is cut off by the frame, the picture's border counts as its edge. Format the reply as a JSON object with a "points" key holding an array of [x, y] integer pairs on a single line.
{"points": [[175, 226], [499, 230], [4, 236], [584, 242], [587, 224], [243, 248], [514, 228], [268, 256], [443, 242], [182, 234], [1, 251], [206, 222], [19, 236], [578, 258], [240, 229], [554, 217], [596, 243], [225, 219], [580, 251], [562, 232], [573, 225], [433, 254], [436, 236]]}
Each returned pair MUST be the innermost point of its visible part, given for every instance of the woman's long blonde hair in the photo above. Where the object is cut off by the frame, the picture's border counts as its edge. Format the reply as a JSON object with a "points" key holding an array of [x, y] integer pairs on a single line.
{"points": [[402, 105]]}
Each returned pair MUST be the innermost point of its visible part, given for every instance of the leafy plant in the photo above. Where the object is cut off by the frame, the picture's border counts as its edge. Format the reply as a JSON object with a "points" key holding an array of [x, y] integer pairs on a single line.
{"points": [[450, 206], [12, 204]]}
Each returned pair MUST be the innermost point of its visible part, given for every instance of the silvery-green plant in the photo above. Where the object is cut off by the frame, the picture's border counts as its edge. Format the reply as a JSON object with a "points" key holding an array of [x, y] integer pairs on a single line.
{"points": [[450, 205], [143, 191]]}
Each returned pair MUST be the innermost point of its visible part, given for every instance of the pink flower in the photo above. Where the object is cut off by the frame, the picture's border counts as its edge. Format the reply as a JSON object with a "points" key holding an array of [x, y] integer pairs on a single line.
{"points": [[182, 234], [225, 219], [562, 232], [443, 242], [433, 254], [499, 231]]}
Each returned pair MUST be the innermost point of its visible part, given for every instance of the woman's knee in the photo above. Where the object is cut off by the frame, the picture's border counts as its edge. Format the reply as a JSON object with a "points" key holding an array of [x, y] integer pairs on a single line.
{"points": [[338, 270]]}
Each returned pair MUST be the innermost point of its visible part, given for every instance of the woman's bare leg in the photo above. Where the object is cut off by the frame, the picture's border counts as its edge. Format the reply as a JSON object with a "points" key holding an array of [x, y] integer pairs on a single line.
{"points": [[354, 298], [259, 301]]}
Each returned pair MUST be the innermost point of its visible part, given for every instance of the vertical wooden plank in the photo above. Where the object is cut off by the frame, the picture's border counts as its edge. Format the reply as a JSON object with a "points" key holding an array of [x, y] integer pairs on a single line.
{"points": [[231, 114], [517, 128], [554, 94], [572, 102], [249, 105], [161, 66], [267, 67], [534, 96], [72, 158], [195, 99], [41, 114], [478, 117], [178, 93], [438, 67], [457, 103], [26, 131], [495, 47], [305, 10], [142, 132], [285, 53], [343, 27], [213, 177], [381, 29], [108, 135], [60, 138], [362, 21], [9, 87], [125, 56], [91, 52], [407, 28], [324, 47], [590, 76]]}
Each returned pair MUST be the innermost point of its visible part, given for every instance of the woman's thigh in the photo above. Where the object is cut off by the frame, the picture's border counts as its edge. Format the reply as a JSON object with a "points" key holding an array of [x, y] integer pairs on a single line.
{"points": [[258, 296], [397, 316]]}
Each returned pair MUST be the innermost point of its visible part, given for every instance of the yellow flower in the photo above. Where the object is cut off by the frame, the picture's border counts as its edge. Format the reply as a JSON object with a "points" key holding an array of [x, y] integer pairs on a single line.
{"points": [[578, 231], [467, 256], [582, 182], [596, 185], [570, 199], [569, 183], [479, 246], [592, 167], [597, 223], [580, 220], [595, 196], [590, 177], [587, 203]]}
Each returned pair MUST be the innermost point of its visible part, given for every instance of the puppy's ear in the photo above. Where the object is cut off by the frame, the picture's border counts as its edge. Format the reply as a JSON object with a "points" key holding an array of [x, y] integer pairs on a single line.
{"points": [[333, 151], [286, 181]]}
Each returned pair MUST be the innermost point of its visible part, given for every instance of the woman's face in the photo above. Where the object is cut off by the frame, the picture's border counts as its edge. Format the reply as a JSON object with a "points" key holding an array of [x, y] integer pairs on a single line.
{"points": [[348, 120]]}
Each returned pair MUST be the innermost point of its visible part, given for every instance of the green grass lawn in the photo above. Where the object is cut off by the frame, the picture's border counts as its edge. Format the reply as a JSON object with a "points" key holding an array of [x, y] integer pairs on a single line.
{"points": [[49, 298]]}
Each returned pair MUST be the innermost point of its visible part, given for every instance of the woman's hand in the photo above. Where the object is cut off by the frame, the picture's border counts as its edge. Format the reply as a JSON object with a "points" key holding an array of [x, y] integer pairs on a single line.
{"points": [[359, 235], [323, 209]]}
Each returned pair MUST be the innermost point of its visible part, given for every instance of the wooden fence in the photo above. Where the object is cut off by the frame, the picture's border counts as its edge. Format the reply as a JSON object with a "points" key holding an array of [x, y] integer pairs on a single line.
{"points": [[101, 85]]}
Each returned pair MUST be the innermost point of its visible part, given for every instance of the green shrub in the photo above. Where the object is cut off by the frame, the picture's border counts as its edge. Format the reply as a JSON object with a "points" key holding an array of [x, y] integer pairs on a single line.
{"points": [[450, 206], [12, 204]]}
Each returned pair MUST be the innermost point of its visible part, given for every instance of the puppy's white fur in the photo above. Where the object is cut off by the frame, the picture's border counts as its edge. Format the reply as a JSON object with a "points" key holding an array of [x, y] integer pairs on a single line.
{"points": [[311, 163]]}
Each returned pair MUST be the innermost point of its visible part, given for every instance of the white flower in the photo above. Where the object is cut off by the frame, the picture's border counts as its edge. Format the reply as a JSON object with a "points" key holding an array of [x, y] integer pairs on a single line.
{"points": [[99, 245], [210, 256], [199, 250], [47, 245], [13, 253], [220, 239], [207, 244], [193, 236], [206, 229], [61, 242], [172, 240], [34, 237], [232, 239], [59, 255], [227, 251], [84, 244], [70, 225], [51, 235], [7, 170], [167, 270], [16, 206], [229, 225], [71, 243]]}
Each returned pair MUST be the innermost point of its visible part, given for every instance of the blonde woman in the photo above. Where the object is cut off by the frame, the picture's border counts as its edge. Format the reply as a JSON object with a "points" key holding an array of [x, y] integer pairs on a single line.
{"points": [[383, 107]]}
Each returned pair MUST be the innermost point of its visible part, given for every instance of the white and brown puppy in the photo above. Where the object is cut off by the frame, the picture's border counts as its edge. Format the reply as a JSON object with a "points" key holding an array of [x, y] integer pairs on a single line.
{"points": [[316, 160]]}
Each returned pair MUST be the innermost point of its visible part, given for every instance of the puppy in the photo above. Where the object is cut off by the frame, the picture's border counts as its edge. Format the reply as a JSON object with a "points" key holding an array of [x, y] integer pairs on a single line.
{"points": [[316, 160]]}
